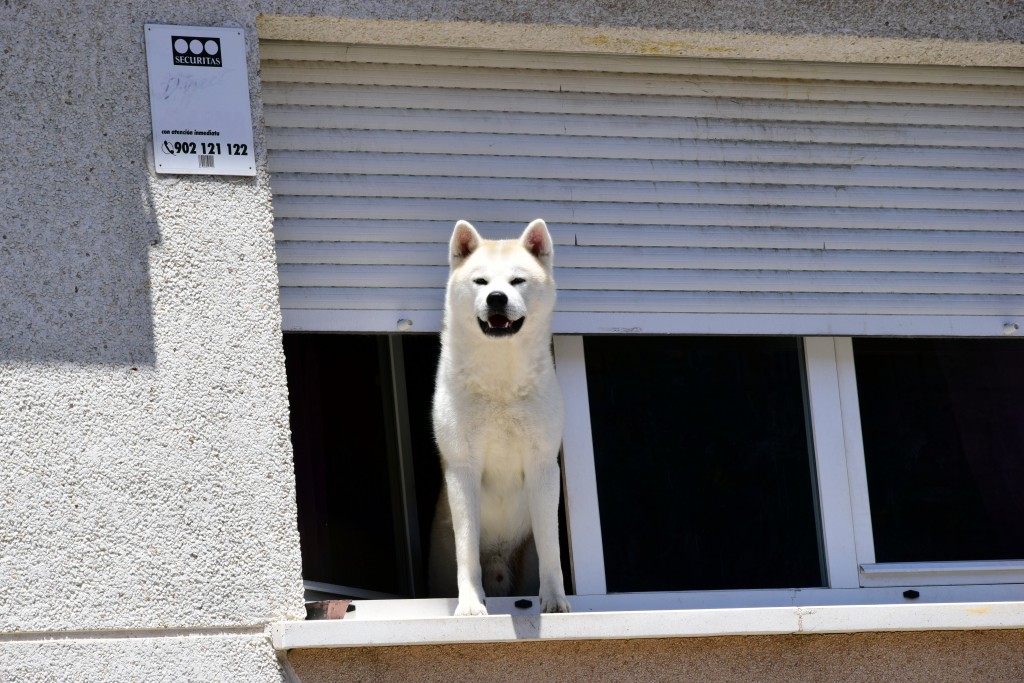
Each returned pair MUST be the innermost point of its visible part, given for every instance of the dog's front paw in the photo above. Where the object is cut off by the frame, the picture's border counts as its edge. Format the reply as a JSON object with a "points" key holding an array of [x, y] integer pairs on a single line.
{"points": [[470, 608], [554, 602]]}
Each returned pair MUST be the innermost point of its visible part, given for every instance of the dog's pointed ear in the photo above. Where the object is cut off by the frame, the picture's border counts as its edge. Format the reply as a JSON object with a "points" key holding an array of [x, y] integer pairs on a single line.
{"points": [[537, 240], [465, 240]]}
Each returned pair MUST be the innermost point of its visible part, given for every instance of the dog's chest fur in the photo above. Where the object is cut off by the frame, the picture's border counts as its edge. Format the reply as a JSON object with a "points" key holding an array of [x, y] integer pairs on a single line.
{"points": [[505, 396], [505, 406]]}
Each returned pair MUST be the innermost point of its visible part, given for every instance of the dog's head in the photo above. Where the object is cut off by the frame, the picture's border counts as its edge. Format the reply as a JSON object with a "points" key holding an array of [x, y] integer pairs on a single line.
{"points": [[498, 284]]}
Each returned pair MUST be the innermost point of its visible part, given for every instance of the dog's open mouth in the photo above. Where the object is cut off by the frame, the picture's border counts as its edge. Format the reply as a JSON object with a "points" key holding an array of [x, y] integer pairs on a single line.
{"points": [[499, 326]]}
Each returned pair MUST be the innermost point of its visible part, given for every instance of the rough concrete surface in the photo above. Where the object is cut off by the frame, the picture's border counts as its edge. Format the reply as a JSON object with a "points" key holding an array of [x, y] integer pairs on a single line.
{"points": [[145, 447], [202, 659], [939, 657]]}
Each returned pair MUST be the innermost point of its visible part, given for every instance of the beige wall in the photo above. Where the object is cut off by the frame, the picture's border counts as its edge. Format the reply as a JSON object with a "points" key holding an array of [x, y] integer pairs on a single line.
{"points": [[934, 657]]}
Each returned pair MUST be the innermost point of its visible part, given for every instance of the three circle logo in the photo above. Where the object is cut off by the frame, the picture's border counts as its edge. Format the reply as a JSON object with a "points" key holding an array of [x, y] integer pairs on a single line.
{"points": [[196, 51]]}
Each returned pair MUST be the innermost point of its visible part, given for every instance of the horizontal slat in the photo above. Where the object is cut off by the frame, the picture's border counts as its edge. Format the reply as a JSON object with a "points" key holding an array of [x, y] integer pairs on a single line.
{"points": [[315, 275], [452, 99], [282, 162], [588, 322], [644, 214], [530, 59], [368, 253], [673, 302], [556, 80], [576, 125], [640, 192], [676, 280], [638, 148], [825, 239], [382, 230], [795, 324]]}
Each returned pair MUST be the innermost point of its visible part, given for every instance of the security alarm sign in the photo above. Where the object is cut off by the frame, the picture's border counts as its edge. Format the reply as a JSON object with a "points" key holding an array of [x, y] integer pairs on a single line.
{"points": [[199, 98]]}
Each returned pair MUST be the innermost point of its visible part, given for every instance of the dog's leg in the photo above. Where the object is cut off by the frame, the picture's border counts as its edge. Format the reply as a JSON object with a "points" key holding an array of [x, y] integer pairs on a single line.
{"points": [[543, 486], [463, 484]]}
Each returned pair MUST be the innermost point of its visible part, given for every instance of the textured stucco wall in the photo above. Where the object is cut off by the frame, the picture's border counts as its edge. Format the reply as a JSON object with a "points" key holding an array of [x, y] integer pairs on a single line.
{"points": [[197, 659], [143, 419], [144, 434]]}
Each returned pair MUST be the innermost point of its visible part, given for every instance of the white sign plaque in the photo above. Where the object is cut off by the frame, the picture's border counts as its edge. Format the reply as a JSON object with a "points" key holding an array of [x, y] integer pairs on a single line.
{"points": [[199, 98]]}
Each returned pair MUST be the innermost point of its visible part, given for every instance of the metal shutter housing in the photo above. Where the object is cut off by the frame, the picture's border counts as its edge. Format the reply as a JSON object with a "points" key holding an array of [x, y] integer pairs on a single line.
{"points": [[684, 195]]}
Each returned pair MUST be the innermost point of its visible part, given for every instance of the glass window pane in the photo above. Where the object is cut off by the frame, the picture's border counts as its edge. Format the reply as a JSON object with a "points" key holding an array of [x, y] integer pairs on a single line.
{"points": [[340, 432], [943, 426], [703, 463]]}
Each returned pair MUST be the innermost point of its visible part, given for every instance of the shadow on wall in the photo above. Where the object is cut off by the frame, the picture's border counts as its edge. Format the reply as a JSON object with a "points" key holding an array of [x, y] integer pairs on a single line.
{"points": [[75, 282], [76, 218]]}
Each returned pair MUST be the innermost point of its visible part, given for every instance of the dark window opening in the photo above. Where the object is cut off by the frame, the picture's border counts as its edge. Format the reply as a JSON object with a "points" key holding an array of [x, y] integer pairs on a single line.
{"points": [[704, 466], [366, 467], [943, 426]]}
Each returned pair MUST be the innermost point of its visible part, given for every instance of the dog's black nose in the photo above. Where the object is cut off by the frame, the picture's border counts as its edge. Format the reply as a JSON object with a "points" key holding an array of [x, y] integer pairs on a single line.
{"points": [[495, 299]]}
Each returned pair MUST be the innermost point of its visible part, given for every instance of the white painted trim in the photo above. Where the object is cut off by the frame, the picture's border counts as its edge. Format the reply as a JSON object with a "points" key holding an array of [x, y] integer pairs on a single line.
{"points": [[386, 321], [830, 457], [647, 624], [942, 573], [503, 628], [699, 600], [856, 469], [581, 504], [957, 617], [788, 597]]}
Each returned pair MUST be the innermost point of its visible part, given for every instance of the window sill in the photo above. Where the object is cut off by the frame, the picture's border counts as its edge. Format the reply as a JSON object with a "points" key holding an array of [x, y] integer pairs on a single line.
{"points": [[382, 625]]}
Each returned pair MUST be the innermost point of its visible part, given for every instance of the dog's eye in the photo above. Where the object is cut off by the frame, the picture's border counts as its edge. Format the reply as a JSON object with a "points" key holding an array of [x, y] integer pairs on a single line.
{"points": [[516, 281], [479, 281]]}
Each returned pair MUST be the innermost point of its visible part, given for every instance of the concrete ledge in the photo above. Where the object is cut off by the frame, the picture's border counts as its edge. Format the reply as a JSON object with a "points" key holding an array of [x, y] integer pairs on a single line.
{"points": [[648, 624]]}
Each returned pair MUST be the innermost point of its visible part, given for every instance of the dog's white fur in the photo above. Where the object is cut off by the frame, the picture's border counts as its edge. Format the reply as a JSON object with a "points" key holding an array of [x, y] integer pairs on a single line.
{"points": [[498, 419]]}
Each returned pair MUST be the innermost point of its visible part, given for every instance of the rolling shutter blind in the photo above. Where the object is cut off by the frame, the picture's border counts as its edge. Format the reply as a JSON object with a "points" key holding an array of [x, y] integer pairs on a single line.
{"points": [[684, 195]]}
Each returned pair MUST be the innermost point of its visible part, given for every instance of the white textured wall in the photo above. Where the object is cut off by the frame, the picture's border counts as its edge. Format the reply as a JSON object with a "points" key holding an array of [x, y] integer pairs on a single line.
{"points": [[147, 478], [195, 659], [146, 469]]}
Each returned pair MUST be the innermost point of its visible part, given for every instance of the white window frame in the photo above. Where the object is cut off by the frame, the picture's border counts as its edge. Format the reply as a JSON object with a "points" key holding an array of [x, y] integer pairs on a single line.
{"points": [[845, 511], [874, 573], [860, 593]]}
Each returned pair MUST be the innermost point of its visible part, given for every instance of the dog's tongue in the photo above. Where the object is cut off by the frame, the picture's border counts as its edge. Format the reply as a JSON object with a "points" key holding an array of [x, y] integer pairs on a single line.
{"points": [[498, 321]]}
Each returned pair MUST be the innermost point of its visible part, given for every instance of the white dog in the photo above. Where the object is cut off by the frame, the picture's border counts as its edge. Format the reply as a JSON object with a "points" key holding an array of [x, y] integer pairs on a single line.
{"points": [[498, 423]]}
